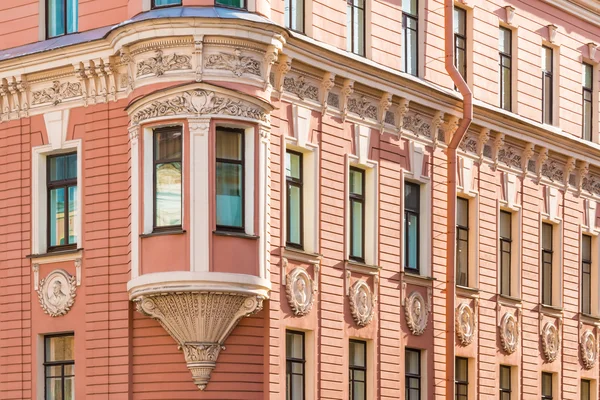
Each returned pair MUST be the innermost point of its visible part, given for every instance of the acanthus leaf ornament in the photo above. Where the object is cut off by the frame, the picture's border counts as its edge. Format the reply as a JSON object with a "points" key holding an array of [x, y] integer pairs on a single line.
{"points": [[589, 349], [56, 93], [550, 341], [347, 90], [569, 167], [300, 290], [362, 107], [466, 324], [56, 293], [497, 144], [509, 333], [301, 88], [416, 312], [482, 139], [327, 84], [510, 156], [160, 64], [581, 175], [236, 63], [384, 105], [527, 154], [362, 303], [541, 160]]}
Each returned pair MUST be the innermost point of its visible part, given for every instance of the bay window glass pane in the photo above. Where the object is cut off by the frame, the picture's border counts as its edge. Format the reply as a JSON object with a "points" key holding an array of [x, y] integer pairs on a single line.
{"points": [[57, 217], [56, 17], [167, 145], [229, 194], [229, 145], [168, 194], [412, 242], [294, 197], [230, 3], [357, 228], [72, 213], [72, 15]]}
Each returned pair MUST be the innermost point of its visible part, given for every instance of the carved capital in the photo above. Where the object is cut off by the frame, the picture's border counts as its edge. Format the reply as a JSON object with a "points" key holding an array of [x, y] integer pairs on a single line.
{"points": [[347, 91], [496, 146], [199, 126], [327, 84], [541, 160], [384, 105], [484, 136], [527, 154], [450, 128]]}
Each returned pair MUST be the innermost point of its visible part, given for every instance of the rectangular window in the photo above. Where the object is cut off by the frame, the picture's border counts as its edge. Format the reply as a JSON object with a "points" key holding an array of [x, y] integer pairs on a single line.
{"points": [[61, 17], [62, 201], [505, 51], [355, 26], [547, 255], [295, 368], [230, 178], [167, 177], [547, 85], [357, 214], [358, 370], [412, 205], [547, 386], [505, 383], [412, 373], [231, 3], [588, 108], [462, 378], [586, 390], [59, 367], [462, 242], [294, 221], [586, 274], [505, 252], [460, 41], [410, 34], [294, 15], [165, 3]]}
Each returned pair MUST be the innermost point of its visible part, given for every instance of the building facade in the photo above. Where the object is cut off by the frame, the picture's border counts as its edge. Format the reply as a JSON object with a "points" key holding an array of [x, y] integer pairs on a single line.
{"points": [[252, 199]]}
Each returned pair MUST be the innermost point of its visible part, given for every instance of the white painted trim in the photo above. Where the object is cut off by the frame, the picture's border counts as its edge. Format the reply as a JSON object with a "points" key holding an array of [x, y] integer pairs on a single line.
{"points": [[264, 199], [249, 175], [148, 223], [135, 201]]}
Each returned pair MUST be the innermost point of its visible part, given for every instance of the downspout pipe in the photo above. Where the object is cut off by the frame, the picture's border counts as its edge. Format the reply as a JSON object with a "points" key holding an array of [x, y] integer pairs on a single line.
{"points": [[452, 172]]}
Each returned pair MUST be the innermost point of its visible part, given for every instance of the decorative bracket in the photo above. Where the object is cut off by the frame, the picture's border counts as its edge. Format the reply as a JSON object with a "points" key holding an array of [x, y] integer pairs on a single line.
{"points": [[482, 139], [384, 105], [285, 65], [347, 90], [327, 84], [542, 157], [497, 144], [527, 154]]}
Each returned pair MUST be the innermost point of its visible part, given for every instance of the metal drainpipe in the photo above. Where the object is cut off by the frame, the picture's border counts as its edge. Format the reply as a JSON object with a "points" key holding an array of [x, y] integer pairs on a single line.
{"points": [[452, 170]]}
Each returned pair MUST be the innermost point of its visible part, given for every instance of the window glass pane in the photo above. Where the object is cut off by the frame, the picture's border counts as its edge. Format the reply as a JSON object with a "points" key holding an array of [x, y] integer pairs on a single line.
{"points": [[587, 120], [546, 384], [586, 247], [167, 145], [159, 3], [505, 377], [57, 217], [505, 272], [54, 389], [56, 17], [294, 345], [168, 194], [585, 294], [462, 369], [359, 36], [293, 165], [412, 362], [72, 213], [72, 15], [505, 224], [546, 59], [411, 196], [229, 145], [410, 6], [298, 387], [357, 228], [506, 85], [359, 390], [230, 3], [53, 371], [462, 269], [546, 283], [587, 75], [69, 388], [356, 181], [460, 18], [547, 97], [349, 27], [63, 167], [294, 228], [462, 212], [411, 53], [294, 14], [357, 354], [412, 232], [60, 348], [505, 41], [585, 390], [229, 194], [547, 236]]}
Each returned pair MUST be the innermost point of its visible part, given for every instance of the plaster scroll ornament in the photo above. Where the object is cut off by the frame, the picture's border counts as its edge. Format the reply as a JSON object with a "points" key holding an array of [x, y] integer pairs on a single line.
{"points": [[510, 156], [236, 63], [362, 303], [552, 170], [589, 349], [416, 312], [362, 107], [416, 124], [466, 324], [160, 64], [199, 102], [56, 293], [550, 341], [469, 144], [300, 291], [301, 88], [56, 93], [509, 333]]}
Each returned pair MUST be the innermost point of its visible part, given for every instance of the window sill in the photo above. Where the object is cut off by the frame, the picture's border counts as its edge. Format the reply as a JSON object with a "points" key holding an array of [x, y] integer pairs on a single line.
{"points": [[509, 301], [295, 254], [163, 233], [419, 280], [468, 292], [56, 256], [551, 311], [362, 268], [240, 235], [589, 319]]}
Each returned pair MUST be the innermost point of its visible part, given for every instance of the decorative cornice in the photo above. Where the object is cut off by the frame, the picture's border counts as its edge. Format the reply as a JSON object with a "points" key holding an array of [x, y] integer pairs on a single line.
{"points": [[236, 63], [56, 93], [160, 64]]}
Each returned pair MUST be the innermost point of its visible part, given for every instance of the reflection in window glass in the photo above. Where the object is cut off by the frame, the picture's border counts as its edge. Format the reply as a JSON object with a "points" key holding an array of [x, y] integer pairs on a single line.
{"points": [[358, 370], [355, 26], [410, 33], [357, 214], [293, 172], [61, 17], [163, 3], [412, 199], [167, 177], [295, 360], [294, 15], [230, 178], [231, 3], [59, 367], [62, 200]]}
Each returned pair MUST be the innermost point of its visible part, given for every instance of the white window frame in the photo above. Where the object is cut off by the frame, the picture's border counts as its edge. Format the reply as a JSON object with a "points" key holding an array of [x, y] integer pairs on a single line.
{"points": [[56, 126]]}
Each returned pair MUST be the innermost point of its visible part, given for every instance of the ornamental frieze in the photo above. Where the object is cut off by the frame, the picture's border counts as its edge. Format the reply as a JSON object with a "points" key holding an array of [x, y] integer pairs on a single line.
{"points": [[362, 107], [468, 144], [236, 63], [589, 349], [301, 88], [199, 102], [56, 93], [550, 341], [160, 64], [591, 184], [552, 170], [510, 156], [417, 124], [466, 324]]}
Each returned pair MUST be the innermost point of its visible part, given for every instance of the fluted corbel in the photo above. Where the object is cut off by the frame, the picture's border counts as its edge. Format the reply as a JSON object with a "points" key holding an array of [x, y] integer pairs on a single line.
{"points": [[450, 128], [569, 167], [90, 74], [100, 73], [347, 90], [496, 146], [285, 65], [436, 123], [482, 139], [384, 105], [270, 58], [582, 171], [542, 157], [401, 111], [327, 84], [527, 154], [128, 62]]}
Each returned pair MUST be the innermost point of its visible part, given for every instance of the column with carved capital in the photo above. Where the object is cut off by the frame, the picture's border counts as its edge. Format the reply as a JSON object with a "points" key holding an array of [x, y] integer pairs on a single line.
{"points": [[199, 184], [135, 200]]}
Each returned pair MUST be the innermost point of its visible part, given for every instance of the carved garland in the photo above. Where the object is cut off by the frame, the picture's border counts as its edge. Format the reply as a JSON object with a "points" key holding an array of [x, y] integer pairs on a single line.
{"points": [[300, 291], [236, 63], [56, 93], [589, 349], [199, 102], [160, 64], [466, 324], [550, 341], [57, 292], [509, 333], [362, 303], [416, 312]]}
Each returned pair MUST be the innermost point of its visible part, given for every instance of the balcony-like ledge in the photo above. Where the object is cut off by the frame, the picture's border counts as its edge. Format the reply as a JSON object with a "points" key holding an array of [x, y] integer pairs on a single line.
{"points": [[199, 310]]}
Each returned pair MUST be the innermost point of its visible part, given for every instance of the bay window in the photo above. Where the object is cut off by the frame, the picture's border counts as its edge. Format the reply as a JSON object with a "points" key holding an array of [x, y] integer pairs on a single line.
{"points": [[165, 3], [231, 3]]}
